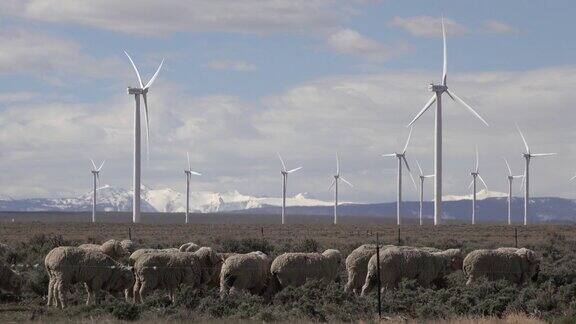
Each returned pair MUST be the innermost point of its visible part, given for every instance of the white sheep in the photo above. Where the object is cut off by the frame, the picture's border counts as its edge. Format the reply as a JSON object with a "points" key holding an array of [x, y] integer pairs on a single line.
{"points": [[189, 247], [245, 272], [111, 248], [511, 264], [294, 269]]}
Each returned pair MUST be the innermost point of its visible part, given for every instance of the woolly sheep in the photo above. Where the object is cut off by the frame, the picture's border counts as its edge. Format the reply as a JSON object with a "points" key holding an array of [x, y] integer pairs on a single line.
{"points": [[189, 247], [511, 264], [294, 269], [68, 265], [129, 246], [169, 270], [245, 272], [138, 253], [111, 248], [397, 264], [10, 281], [357, 264]]}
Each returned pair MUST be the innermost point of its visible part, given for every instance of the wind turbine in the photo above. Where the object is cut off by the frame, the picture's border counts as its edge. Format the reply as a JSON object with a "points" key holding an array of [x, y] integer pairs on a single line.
{"points": [[189, 174], [334, 184], [422, 178], [401, 159], [438, 90], [96, 179], [285, 173], [510, 180], [475, 174], [526, 179], [137, 91]]}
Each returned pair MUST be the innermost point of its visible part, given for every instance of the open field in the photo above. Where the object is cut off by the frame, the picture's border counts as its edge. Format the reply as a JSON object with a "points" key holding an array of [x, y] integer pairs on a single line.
{"points": [[552, 297]]}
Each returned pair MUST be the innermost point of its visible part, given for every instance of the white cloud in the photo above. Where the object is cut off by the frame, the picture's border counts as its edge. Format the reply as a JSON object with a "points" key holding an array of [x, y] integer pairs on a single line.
{"points": [[231, 65], [348, 41], [427, 26], [498, 27], [151, 17], [17, 96]]}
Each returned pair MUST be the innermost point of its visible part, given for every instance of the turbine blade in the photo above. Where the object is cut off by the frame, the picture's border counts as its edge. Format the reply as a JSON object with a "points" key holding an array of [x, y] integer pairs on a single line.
{"points": [[508, 166], [389, 155], [332, 184], [93, 165], [409, 171], [282, 161], [337, 164], [523, 180], [483, 182], [189, 165], [471, 183], [429, 176], [428, 104], [195, 173], [452, 94], [294, 170], [346, 182], [574, 177], [477, 160], [543, 154], [101, 165], [419, 168], [135, 69], [147, 125], [408, 140], [523, 139], [154, 76], [518, 176], [445, 65]]}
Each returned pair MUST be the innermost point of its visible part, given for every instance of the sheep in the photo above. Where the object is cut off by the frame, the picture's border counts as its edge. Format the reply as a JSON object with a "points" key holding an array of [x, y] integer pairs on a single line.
{"points": [[67, 265], [10, 281], [129, 246], [514, 265], [111, 248], [399, 263], [357, 264], [189, 247], [245, 272], [138, 253], [169, 270], [294, 269]]}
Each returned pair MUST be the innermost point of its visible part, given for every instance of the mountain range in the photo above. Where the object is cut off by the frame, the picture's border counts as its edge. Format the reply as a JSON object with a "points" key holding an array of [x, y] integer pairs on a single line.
{"points": [[491, 206]]}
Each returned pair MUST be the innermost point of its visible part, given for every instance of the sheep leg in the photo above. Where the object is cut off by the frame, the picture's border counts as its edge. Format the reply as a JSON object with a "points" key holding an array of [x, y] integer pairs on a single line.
{"points": [[50, 290], [136, 292], [89, 292], [144, 289], [61, 287]]}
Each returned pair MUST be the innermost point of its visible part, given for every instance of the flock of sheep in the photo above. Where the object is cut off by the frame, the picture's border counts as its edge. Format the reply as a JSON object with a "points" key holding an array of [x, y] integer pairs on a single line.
{"points": [[118, 267]]}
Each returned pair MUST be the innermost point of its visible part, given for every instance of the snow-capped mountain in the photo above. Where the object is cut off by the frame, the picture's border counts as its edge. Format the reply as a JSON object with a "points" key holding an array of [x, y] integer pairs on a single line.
{"points": [[480, 195]]}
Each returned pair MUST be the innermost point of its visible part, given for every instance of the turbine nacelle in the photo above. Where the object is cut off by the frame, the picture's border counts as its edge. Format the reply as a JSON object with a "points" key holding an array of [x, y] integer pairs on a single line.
{"points": [[137, 91], [438, 88]]}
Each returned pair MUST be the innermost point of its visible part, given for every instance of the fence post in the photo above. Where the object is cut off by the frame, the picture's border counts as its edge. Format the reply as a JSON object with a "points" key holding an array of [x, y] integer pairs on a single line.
{"points": [[262, 232], [378, 284], [130, 233], [399, 243], [516, 237]]}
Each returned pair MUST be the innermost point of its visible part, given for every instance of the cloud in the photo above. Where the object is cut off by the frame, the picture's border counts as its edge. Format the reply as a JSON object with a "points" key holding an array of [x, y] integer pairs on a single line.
{"points": [[231, 65], [427, 26], [49, 57], [151, 17], [348, 41], [498, 27], [17, 96], [46, 146]]}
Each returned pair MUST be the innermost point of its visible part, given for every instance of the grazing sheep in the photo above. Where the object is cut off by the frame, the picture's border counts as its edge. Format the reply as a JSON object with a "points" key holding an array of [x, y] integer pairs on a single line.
{"points": [[294, 269], [111, 248], [138, 253], [511, 264], [169, 270], [10, 281], [68, 265], [357, 264], [189, 247], [245, 272], [398, 263], [129, 246]]}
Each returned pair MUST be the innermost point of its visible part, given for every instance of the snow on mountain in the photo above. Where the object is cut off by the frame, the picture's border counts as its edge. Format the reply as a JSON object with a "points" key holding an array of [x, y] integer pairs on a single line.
{"points": [[480, 195]]}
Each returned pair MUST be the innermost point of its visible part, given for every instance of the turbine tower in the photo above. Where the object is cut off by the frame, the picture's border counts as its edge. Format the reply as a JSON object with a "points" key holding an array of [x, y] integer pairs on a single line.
{"points": [[422, 178], [475, 174], [334, 184], [96, 179], [438, 90], [188, 172], [510, 180], [285, 173], [401, 159], [526, 179], [137, 91]]}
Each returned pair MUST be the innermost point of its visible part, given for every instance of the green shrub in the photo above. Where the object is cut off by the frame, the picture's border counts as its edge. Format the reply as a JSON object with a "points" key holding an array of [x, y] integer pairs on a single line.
{"points": [[125, 311]]}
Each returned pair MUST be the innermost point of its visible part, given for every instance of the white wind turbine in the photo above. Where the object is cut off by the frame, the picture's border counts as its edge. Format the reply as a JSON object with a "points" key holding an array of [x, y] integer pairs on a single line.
{"points": [[285, 173], [137, 91], [334, 184], [96, 179], [401, 160], [526, 179], [438, 90], [422, 178], [188, 172], [475, 174], [510, 180]]}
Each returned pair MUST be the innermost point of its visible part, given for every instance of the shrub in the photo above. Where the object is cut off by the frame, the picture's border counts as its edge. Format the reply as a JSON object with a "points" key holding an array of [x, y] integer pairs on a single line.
{"points": [[125, 311]]}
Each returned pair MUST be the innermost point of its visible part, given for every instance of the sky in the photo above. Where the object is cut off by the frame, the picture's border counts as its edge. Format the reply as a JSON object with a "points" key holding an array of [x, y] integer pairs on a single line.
{"points": [[244, 80]]}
